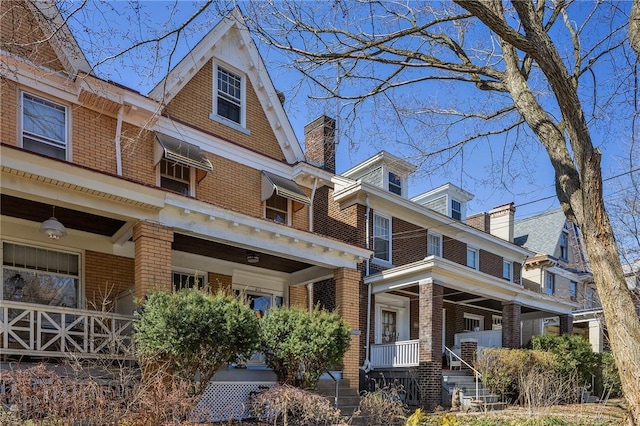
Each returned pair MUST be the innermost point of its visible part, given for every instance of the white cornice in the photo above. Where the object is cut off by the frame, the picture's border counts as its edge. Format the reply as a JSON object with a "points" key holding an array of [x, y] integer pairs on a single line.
{"points": [[407, 210], [459, 277], [208, 221]]}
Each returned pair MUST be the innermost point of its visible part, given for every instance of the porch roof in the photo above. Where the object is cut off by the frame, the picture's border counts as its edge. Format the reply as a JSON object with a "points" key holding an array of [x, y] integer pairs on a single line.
{"points": [[458, 277]]}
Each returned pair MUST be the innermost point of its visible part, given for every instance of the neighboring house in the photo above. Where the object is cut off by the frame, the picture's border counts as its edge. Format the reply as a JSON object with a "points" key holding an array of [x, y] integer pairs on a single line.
{"points": [[632, 277], [560, 268], [202, 182], [434, 283]]}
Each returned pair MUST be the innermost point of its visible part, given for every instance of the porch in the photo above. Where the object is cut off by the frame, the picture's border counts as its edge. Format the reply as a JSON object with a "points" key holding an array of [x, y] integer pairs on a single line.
{"points": [[34, 330]]}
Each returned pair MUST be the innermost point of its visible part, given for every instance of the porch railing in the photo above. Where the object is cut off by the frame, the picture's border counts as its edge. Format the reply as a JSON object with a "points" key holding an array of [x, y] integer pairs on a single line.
{"points": [[397, 354], [51, 331]]}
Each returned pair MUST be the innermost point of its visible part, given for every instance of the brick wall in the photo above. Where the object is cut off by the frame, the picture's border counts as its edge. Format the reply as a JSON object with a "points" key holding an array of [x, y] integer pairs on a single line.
{"points": [[324, 294], [219, 282], [152, 257], [511, 331], [319, 142], [93, 140], [8, 108], [105, 277], [194, 103], [299, 296], [21, 35], [490, 263], [347, 225], [479, 221], [454, 250], [409, 242]]}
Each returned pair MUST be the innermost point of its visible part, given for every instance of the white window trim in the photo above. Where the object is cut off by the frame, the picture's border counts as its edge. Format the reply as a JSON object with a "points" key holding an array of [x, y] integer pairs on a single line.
{"points": [[477, 257], [192, 179], [79, 253], [199, 275], [386, 181], [377, 260], [450, 208], [546, 281], [242, 126], [479, 318], [439, 236], [510, 263], [67, 118], [289, 211]]}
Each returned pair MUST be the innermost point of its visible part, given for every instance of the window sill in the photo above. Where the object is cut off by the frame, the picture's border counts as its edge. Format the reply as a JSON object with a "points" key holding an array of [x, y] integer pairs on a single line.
{"points": [[381, 262], [229, 123]]}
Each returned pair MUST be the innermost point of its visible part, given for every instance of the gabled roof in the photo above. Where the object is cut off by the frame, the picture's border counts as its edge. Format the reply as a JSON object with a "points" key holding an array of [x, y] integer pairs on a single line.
{"points": [[62, 41], [540, 233], [383, 157], [233, 26]]}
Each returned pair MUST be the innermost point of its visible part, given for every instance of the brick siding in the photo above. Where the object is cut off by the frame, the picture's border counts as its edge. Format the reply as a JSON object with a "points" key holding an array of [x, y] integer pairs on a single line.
{"points": [[409, 242], [490, 263], [105, 277], [324, 294], [454, 250], [152, 257], [219, 282]]}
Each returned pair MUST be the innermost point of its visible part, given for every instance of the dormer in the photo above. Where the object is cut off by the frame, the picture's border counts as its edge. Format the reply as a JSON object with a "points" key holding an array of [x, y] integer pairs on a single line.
{"points": [[384, 171], [448, 199]]}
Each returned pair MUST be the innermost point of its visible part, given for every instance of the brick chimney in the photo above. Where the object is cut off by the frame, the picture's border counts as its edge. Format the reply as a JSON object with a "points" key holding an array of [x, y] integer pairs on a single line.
{"points": [[501, 221], [480, 221], [320, 143]]}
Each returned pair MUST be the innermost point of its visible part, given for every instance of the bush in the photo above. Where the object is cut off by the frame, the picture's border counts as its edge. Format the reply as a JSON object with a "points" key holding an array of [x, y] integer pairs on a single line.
{"points": [[296, 343], [610, 376], [190, 332], [574, 354], [294, 406], [382, 406], [503, 369]]}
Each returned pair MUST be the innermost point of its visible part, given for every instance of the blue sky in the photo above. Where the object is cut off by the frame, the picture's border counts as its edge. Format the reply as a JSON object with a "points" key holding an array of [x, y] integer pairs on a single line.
{"points": [[103, 28]]}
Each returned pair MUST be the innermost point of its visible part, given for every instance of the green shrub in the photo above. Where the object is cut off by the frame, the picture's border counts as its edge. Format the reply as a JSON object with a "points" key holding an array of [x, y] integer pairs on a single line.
{"points": [[296, 342], [190, 332], [574, 355], [610, 376]]}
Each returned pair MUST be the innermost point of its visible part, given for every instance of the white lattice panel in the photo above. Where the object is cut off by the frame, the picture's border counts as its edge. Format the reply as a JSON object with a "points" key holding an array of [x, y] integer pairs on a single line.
{"points": [[222, 401]]}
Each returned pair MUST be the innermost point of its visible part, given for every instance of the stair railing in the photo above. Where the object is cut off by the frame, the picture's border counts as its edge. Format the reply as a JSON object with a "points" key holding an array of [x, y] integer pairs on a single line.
{"points": [[476, 373], [335, 393]]}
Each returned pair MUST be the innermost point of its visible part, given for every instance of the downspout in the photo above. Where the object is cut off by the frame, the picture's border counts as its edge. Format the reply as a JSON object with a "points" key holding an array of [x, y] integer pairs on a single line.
{"points": [[313, 196], [367, 362], [310, 296], [118, 145]]}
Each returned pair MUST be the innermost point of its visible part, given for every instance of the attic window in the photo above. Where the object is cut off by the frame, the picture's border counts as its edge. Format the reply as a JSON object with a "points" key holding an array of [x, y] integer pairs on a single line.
{"points": [[395, 183], [229, 95]]}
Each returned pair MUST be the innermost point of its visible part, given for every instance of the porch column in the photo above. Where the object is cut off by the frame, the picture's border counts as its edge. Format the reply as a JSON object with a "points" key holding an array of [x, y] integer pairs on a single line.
{"points": [[468, 352], [152, 257], [511, 328], [566, 324], [430, 336], [596, 336], [348, 307]]}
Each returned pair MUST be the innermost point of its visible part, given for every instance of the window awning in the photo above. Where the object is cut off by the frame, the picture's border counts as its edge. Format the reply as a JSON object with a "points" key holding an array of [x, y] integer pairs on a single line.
{"points": [[181, 152], [285, 188]]}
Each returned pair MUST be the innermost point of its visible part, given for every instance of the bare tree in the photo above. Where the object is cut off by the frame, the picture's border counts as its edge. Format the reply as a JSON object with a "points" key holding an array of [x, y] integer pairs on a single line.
{"points": [[527, 70]]}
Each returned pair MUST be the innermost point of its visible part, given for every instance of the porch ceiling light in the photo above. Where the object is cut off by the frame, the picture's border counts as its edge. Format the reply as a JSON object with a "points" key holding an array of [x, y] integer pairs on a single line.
{"points": [[252, 257], [53, 228]]}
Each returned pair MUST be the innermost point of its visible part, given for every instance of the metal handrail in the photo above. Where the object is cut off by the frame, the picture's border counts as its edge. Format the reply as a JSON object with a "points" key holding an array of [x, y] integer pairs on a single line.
{"points": [[476, 373], [335, 395]]}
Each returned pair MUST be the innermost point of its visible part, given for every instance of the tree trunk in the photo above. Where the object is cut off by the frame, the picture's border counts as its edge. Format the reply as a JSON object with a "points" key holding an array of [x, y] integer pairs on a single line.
{"points": [[634, 27]]}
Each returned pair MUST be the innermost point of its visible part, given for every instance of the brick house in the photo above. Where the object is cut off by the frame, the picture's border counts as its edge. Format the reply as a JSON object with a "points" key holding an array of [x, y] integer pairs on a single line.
{"points": [[439, 282], [560, 268], [108, 194]]}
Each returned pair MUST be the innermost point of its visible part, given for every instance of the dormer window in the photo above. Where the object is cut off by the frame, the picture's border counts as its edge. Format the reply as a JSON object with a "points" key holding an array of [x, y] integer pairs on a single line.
{"points": [[564, 246], [229, 98], [456, 209], [395, 183]]}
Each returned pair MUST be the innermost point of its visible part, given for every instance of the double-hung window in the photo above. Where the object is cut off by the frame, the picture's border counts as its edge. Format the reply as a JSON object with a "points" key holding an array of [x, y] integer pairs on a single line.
{"points": [[39, 275], [434, 245], [550, 283], [44, 126], [564, 246], [175, 176], [507, 270], [573, 290], [277, 209], [382, 237], [456, 210], [472, 258], [395, 183], [229, 95]]}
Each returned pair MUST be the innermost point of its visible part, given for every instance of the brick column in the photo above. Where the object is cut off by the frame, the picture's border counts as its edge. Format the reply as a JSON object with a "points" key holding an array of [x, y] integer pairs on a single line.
{"points": [[566, 324], [152, 257], [430, 336], [468, 352], [511, 329], [348, 307]]}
